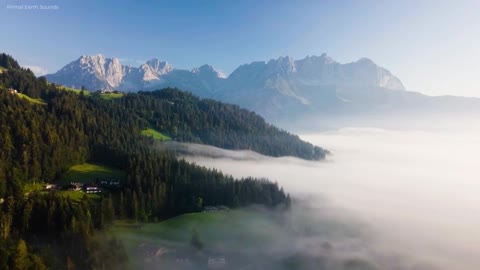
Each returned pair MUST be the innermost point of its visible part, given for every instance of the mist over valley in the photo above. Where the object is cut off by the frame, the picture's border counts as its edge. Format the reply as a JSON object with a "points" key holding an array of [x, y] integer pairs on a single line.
{"points": [[414, 192]]}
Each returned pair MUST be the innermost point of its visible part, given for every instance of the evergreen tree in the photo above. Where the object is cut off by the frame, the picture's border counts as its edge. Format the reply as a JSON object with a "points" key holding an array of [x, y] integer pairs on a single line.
{"points": [[37, 263], [21, 260]]}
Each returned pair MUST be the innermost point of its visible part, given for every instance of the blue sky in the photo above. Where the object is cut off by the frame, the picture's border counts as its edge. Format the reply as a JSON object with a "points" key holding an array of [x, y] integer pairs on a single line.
{"points": [[432, 46]]}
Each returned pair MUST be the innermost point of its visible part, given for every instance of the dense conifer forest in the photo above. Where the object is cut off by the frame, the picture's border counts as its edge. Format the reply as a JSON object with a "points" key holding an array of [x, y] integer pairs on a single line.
{"points": [[40, 141], [188, 118]]}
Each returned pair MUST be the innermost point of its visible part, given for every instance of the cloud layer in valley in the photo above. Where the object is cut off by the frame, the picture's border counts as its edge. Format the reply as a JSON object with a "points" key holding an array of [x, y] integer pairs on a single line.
{"points": [[415, 191]]}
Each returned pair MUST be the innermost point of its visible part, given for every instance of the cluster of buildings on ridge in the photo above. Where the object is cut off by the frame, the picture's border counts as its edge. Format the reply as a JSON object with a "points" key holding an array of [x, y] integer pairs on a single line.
{"points": [[89, 188]]}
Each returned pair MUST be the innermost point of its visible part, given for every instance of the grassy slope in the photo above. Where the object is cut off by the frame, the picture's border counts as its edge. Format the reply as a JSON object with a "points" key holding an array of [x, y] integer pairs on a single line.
{"points": [[30, 187], [155, 134], [111, 96], [88, 172], [108, 96], [87, 93], [20, 95], [226, 229], [242, 235], [33, 100], [236, 228]]}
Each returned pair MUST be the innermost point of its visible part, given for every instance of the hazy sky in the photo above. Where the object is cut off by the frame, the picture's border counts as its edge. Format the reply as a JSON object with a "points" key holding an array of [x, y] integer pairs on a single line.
{"points": [[432, 46]]}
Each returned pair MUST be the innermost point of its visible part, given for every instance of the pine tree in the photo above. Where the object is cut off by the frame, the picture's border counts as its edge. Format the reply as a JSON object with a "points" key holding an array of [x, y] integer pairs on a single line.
{"points": [[37, 263], [20, 259]]}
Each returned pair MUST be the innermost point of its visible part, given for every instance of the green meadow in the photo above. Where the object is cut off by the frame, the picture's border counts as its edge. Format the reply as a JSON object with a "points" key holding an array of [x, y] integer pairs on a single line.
{"points": [[225, 230], [33, 100], [249, 238], [110, 96], [88, 172], [155, 135], [77, 91]]}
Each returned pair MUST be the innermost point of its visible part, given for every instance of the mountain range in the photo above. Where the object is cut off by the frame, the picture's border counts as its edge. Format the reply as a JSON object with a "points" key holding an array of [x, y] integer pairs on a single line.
{"points": [[98, 72], [278, 89]]}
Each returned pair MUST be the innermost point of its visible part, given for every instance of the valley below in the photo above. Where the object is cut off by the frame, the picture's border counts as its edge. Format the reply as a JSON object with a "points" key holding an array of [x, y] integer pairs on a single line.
{"points": [[384, 199], [247, 238]]}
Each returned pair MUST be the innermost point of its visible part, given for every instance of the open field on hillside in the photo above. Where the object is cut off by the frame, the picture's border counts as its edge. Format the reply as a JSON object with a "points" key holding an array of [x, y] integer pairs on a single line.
{"points": [[110, 96], [33, 100], [155, 134], [89, 172]]}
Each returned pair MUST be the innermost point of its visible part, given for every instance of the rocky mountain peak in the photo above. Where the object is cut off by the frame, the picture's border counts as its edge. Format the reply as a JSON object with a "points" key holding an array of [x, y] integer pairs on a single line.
{"points": [[154, 68], [365, 61], [160, 67], [207, 70], [323, 59], [287, 76], [284, 64]]}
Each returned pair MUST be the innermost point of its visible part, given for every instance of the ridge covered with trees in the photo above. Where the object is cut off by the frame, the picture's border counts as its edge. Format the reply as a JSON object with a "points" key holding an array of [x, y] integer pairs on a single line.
{"points": [[45, 229], [188, 118]]}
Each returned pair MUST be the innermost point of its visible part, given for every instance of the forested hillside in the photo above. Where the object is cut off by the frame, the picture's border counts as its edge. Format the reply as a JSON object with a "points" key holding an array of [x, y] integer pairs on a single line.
{"points": [[40, 141], [188, 118]]}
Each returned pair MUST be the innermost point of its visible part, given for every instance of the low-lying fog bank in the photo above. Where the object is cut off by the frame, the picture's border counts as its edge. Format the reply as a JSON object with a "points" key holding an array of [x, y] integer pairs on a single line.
{"points": [[193, 149], [417, 192], [252, 238]]}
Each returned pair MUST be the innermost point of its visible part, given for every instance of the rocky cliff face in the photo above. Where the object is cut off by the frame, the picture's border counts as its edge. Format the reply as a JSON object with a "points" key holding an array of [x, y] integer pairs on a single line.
{"points": [[315, 83], [100, 73], [280, 74]]}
